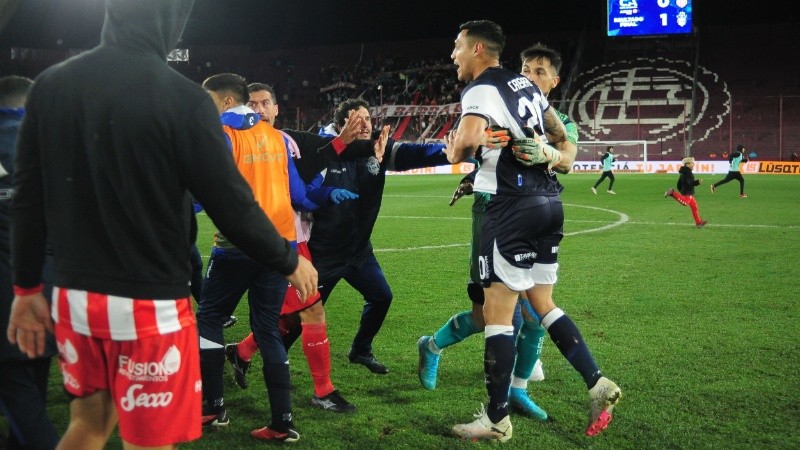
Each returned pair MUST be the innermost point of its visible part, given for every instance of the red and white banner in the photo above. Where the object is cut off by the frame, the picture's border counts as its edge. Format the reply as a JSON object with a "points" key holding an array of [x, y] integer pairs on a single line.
{"points": [[415, 110]]}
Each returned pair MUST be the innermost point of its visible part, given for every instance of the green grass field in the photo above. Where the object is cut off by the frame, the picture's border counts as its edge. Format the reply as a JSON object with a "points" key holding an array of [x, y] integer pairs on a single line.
{"points": [[699, 327]]}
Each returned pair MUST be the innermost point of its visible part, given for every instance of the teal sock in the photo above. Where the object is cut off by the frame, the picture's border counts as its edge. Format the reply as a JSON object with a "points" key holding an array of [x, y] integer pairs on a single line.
{"points": [[529, 348], [458, 328]]}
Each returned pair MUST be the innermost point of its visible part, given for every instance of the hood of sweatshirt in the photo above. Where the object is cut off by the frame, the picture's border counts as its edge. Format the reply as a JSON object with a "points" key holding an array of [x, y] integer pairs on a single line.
{"points": [[150, 25], [240, 117]]}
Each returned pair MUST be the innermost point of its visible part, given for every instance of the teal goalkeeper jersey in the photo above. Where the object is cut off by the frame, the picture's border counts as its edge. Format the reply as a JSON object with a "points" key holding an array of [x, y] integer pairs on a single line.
{"points": [[572, 127], [735, 162], [608, 162]]}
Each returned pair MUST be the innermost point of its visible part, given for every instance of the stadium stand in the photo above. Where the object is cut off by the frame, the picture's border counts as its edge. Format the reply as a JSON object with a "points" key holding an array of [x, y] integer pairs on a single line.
{"points": [[616, 89]]}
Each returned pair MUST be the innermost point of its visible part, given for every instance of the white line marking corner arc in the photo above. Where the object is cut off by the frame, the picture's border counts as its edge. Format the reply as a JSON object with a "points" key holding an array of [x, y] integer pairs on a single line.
{"points": [[623, 218]]}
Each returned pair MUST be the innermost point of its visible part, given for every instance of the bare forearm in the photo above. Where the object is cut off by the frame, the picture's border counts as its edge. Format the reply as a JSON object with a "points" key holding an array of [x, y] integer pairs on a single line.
{"points": [[459, 153], [466, 140], [569, 152], [553, 127]]}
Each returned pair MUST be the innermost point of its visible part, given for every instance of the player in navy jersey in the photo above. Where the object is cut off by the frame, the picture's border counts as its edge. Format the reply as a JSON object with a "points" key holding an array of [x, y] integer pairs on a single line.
{"points": [[541, 65], [522, 224]]}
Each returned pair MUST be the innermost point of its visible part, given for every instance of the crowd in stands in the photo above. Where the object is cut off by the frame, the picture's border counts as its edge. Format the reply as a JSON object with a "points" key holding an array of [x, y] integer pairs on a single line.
{"points": [[308, 89], [390, 79]]}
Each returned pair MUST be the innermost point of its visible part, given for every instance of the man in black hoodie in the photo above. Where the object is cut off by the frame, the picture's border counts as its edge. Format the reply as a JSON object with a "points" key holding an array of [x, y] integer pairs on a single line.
{"points": [[108, 178]]}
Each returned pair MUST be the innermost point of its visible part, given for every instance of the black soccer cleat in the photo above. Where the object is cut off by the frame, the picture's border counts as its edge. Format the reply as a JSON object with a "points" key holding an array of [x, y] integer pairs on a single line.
{"points": [[333, 402], [369, 362], [240, 366]]}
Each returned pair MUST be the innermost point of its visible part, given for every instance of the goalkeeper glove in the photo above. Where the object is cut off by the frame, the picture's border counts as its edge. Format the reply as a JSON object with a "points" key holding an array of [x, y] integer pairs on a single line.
{"points": [[339, 195], [464, 188], [532, 151], [495, 137]]}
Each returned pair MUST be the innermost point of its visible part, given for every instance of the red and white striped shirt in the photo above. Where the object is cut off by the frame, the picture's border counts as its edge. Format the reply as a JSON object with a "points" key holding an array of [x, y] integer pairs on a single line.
{"points": [[119, 318]]}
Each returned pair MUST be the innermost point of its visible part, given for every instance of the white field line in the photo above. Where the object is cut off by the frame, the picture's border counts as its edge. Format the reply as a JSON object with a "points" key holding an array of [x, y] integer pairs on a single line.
{"points": [[622, 218]]}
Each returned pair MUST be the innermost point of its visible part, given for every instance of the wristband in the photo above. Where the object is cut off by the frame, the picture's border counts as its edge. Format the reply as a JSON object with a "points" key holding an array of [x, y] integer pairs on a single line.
{"points": [[19, 290]]}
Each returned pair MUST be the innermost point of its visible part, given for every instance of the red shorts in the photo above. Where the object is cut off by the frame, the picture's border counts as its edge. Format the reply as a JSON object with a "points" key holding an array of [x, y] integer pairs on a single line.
{"points": [[154, 381], [291, 301]]}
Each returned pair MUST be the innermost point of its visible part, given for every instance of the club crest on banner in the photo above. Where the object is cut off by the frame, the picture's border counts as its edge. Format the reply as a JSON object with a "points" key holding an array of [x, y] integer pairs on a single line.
{"points": [[647, 99]]}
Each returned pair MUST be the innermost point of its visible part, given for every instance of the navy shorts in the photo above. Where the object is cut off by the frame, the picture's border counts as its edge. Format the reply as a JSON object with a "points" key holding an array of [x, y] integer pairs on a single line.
{"points": [[519, 241]]}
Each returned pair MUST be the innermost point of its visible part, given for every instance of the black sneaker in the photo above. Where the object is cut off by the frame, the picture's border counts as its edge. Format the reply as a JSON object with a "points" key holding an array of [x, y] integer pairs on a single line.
{"points": [[333, 402], [240, 366], [216, 419], [230, 322], [369, 362]]}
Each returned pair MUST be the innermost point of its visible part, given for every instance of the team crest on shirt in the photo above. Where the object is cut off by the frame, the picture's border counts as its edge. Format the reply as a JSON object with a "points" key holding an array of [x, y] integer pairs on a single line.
{"points": [[373, 165]]}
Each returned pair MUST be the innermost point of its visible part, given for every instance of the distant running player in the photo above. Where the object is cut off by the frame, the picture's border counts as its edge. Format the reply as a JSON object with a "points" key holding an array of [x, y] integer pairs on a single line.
{"points": [[608, 171], [685, 194], [734, 173]]}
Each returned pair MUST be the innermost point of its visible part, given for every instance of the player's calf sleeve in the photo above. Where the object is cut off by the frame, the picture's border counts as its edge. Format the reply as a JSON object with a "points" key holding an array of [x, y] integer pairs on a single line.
{"points": [[529, 348], [455, 330], [247, 348], [212, 367], [570, 343], [317, 349], [498, 362]]}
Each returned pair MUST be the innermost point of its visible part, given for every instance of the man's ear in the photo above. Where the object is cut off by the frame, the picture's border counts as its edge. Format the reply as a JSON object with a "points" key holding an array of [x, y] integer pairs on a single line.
{"points": [[227, 102]]}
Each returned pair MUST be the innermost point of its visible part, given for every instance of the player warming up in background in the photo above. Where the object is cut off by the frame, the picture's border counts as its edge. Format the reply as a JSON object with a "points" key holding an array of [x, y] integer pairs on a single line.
{"points": [[608, 171], [735, 159]]}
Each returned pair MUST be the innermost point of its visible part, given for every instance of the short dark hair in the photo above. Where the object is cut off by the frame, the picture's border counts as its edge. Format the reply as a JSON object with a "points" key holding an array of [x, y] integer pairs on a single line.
{"points": [[344, 108], [488, 32], [228, 82], [539, 50], [255, 87], [609, 148], [13, 90]]}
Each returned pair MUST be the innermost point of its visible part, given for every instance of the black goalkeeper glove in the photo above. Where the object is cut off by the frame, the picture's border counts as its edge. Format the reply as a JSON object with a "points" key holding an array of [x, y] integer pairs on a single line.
{"points": [[464, 188]]}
